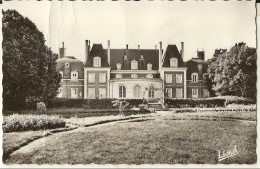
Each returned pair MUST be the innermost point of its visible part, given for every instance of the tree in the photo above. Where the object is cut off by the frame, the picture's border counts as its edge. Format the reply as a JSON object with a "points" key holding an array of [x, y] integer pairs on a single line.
{"points": [[233, 72], [29, 67]]}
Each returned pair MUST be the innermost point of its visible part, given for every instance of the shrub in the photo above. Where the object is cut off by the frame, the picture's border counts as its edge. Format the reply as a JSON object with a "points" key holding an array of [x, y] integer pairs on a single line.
{"points": [[29, 122], [88, 103], [185, 103], [237, 100]]}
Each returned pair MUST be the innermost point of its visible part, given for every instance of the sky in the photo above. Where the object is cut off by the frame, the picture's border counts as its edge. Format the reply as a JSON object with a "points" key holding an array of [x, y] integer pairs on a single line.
{"points": [[201, 25]]}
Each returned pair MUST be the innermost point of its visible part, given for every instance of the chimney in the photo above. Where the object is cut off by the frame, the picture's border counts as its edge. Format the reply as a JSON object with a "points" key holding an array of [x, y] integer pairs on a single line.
{"points": [[182, 50], [160, 55], [138, 47], [108, 51], [126, 46], [201, 55], [87, 50], [62, 51], [155, 47]]}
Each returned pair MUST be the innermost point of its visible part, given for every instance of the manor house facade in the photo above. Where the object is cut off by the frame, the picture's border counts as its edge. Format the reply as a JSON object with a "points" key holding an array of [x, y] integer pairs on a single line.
{"points": [[138, 73]]}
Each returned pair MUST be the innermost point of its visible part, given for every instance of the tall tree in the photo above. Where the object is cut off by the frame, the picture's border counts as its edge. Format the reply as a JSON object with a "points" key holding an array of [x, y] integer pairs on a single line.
{"points": [[233, 72], [29, 72]]}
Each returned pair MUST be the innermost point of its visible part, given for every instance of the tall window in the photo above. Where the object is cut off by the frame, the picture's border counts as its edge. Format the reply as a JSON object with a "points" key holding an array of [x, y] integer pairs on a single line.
{"points": [[179, 93], [134, 65], [102, 78], [205, 93], [91, 92], [102, 92], [137, 91], [74, 92], [178, 78], [194, 77], [149, 66], [97, 62], [151, 92], [91, 77], [195, 93], [74, 76], [168, 92], [122, 91], [173, 62], [168, 78]]}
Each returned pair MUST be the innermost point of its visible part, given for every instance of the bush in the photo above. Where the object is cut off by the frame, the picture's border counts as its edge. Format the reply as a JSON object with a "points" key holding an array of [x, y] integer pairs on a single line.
{"points": [[27, 122], [237, 100], [185, 103], [89, 103]]}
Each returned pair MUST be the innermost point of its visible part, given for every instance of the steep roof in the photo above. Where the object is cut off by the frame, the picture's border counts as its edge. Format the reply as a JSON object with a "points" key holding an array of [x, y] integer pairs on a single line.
{"points": [[150, 56], [97, 50], [172, 52], [192, 66]]}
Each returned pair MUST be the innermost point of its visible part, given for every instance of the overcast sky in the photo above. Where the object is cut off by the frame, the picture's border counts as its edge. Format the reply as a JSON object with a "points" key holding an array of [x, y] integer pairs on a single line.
{"points": [[199, 24]]}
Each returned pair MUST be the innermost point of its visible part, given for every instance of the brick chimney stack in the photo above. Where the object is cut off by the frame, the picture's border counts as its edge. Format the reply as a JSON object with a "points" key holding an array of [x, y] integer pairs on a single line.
{"points": [[182, 50], [126, 46], [138, 47], [62, 51], [160, 55], [108, 51]]}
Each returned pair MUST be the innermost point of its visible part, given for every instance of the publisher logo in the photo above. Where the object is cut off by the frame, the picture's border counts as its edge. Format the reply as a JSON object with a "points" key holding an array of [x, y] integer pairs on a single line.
{"points": [[227, 153]]}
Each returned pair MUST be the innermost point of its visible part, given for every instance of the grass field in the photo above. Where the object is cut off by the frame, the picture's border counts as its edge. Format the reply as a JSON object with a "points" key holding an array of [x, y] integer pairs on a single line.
{"points": [[157, 140]]}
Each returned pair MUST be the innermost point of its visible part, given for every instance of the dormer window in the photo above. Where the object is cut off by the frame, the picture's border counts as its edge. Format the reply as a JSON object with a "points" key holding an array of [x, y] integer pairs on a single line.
{"points": [[149, 66], [194, 77], [134, 65], [118, 66], [173, 62], [74, 76], [67, 65], [97, 62]]}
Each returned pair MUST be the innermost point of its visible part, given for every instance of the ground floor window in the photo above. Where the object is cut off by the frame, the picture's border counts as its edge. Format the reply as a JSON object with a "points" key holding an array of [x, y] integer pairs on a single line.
{"points": [[137, 91], [205, 93], [122, 91], [168, 93], [195, 93], [91, 92], [74, 92], [102, 92], [151, 92], [179, 93]]}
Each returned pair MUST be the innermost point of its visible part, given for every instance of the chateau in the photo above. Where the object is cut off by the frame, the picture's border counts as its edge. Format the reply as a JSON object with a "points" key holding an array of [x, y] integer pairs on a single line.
{"points": [[138, 73]]}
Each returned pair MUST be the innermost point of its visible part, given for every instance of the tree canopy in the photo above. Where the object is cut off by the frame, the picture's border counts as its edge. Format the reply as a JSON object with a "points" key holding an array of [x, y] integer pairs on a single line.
{"points": [[233, 72], [29, 67]]}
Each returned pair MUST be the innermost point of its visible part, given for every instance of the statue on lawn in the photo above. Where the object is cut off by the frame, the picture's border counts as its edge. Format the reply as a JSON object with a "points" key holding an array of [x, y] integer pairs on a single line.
{"points": [[122, 104]]}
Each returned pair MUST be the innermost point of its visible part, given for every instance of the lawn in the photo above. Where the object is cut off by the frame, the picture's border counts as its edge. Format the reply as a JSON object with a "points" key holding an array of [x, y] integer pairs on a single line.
{"points": [[158, 140]]}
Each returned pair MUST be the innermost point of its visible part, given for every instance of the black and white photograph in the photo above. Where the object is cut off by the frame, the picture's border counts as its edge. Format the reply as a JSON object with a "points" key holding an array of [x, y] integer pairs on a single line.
{"points": [[126, 84]]}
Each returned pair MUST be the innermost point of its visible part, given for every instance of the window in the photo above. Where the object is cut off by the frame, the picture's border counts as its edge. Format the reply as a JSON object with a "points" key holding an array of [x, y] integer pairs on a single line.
{"points": [[59, 92], [134, 65], [118, 76], [168, 78], [179, 93], [137, 91], [122, 91], [195, 93], [102, 78], [61, 73], [91, 77], [149, 66], [149, 76], [194, 77], [118, 66], [74, 76], [97, 62], [102, 92], [74, 92], [151, 92], [91, 92], [173, 62], [134, 76], [178, 78], [205, 93], [168, 92], [67, 65]]}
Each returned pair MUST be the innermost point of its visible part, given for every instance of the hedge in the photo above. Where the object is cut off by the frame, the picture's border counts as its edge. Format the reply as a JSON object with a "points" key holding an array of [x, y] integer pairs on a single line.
{"points": [[237, 100], [18, 122], [89, 103], [185, 103]]}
